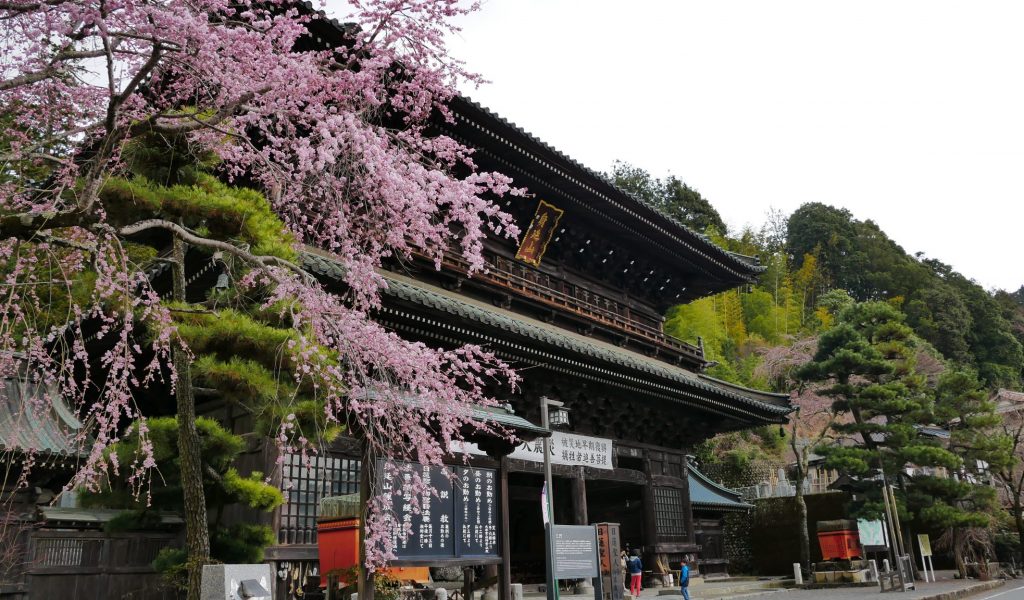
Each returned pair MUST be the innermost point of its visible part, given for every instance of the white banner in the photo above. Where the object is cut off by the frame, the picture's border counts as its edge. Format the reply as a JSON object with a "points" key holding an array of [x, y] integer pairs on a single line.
{"points": [[566, 449]]}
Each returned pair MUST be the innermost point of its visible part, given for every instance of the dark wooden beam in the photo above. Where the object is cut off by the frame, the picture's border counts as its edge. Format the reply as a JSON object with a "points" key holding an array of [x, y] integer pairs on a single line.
{"points": [[505, 574], [579, 498]]}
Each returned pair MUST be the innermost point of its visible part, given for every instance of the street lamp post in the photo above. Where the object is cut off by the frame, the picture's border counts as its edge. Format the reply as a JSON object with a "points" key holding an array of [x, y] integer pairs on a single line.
{"points": [[546, 422]]}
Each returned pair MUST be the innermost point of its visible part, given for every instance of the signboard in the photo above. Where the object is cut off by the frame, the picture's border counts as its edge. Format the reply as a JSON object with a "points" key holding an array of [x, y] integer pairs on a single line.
{"points": [[459, 519], [575, 551], [925, 543], [871, 533], [608, 549], [566, 449], [542, 228]]}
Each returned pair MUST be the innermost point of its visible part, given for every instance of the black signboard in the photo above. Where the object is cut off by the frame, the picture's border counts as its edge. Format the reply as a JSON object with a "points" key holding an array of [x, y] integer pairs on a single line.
{"points": [[457, 519]]}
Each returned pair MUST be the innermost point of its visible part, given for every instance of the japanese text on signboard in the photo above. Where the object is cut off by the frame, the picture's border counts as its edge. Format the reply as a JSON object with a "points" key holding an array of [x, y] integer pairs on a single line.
{"points": [[566, 449], [454, 519]]}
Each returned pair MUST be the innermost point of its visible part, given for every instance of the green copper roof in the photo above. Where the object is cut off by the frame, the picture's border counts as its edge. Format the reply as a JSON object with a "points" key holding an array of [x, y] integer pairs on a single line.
{"points": [[506, 418], [34, 419], [705, 493], [638, 368]]}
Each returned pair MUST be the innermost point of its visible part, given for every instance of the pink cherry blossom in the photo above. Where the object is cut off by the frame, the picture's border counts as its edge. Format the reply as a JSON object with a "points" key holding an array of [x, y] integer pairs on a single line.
{"points": [[334, 133]]}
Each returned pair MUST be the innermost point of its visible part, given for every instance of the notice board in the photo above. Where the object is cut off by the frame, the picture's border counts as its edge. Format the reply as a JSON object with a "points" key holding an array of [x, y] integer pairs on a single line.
{"points": [[575, 551], [458, 519]]}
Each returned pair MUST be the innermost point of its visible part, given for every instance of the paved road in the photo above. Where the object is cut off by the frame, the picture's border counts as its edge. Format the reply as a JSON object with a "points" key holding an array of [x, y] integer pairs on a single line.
{"points": [[1014, 590]]}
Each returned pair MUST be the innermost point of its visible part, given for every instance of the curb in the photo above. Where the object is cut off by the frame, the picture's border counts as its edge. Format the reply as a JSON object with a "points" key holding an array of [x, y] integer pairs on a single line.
{"points": [[967, 591]]}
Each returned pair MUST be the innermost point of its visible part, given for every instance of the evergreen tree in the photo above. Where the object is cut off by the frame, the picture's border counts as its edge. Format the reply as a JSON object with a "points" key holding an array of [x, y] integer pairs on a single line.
{"points": [[223, 487], [867, 363], [671, 196]]}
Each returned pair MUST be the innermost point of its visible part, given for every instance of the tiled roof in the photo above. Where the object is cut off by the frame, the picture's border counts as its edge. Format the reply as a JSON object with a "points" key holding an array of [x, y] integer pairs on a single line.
{"points": [[705, 493], [34, 419], [1007, 400], [97, 516], [507, 418], [466, 308], [697, 242]]}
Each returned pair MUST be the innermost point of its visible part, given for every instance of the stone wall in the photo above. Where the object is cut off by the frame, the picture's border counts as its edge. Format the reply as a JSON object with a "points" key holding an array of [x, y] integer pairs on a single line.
{"points": [[738, 528]]}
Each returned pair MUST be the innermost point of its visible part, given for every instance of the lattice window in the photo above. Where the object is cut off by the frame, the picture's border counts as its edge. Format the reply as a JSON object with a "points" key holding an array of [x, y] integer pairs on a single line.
{"points": [[305, 482], [68, 552], [669, 517]]}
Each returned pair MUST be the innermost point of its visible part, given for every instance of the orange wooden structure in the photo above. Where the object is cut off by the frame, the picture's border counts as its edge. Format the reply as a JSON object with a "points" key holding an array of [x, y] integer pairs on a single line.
{"points": [[338, 545], [843, 544]]}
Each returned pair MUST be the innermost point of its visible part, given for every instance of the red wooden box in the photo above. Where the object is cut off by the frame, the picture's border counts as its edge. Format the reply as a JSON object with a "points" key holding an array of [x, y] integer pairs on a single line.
{"points": [[839, 545], [338, 545]]}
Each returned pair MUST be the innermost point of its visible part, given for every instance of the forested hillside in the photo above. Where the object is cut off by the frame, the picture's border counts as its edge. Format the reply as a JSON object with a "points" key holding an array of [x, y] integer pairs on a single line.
{"points": [[819, 260]]}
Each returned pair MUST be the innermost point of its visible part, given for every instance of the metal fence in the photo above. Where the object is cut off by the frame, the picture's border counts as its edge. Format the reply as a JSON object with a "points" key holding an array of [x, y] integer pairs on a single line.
{"points": [[781, 489]]}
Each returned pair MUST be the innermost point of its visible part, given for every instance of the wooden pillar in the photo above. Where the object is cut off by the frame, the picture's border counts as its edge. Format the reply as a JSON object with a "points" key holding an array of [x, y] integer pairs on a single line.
{"points": [[650, 524], [468, 579], [691, 534], [579, 498], [505, 572], [366, 474]]}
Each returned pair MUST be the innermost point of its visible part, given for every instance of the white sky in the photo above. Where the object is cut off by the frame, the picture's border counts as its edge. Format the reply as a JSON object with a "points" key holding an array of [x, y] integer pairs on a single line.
{"points": [[907, 113]]}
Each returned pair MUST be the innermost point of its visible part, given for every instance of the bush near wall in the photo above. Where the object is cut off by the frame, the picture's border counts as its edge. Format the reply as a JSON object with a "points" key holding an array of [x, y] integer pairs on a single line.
{"points": [[774, 536], [737, 543]]}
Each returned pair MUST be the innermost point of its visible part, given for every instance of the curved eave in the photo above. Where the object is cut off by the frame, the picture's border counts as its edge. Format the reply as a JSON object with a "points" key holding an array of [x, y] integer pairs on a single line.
{"points": [[730, 268], [581, 352], [706, 494], [722, 506], [768, 397], [516, 139]]}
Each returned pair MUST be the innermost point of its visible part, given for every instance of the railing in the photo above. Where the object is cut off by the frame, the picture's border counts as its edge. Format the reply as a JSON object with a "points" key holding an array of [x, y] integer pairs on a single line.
{"points": [[782, 489], [558, 293]]}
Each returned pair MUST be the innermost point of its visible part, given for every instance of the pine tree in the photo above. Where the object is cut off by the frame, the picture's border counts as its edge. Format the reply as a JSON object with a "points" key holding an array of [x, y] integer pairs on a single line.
{"points": [[867, 362]]}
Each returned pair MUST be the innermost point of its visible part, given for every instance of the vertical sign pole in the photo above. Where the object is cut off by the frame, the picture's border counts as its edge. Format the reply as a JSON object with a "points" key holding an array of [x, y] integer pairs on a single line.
{"points": [[552, 583], [599, 580]]}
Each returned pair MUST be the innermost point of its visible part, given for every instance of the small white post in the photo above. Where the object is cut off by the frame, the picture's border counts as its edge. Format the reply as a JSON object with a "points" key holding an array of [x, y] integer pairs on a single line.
{"points": [[798, 574], [885, 563]]}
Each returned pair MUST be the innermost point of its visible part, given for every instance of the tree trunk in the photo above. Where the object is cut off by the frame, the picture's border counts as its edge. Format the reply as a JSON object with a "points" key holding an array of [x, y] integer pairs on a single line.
{"points": [[801, 505], [1018, 518], [197, 533], [805, 536]]}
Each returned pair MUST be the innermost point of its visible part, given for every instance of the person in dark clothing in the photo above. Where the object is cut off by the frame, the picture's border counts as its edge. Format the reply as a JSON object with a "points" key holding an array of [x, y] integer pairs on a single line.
{"points": [[636, 569]]}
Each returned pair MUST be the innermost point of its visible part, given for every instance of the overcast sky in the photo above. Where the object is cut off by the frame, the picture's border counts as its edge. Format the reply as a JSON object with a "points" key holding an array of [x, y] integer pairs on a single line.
{"points": [[907, 113]]}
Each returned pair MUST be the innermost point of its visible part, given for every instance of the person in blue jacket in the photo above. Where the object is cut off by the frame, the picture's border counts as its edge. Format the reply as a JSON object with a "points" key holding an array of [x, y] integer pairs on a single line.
{"points": [[684, 579]]}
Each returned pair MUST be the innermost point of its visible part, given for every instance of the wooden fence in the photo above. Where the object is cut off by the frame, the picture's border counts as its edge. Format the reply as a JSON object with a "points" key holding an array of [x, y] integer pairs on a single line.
{"points": [[92, 565]]}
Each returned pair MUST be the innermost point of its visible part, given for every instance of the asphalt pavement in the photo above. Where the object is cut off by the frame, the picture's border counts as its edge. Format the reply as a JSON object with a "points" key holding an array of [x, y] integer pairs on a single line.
{"points": [[1013, 590]]}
